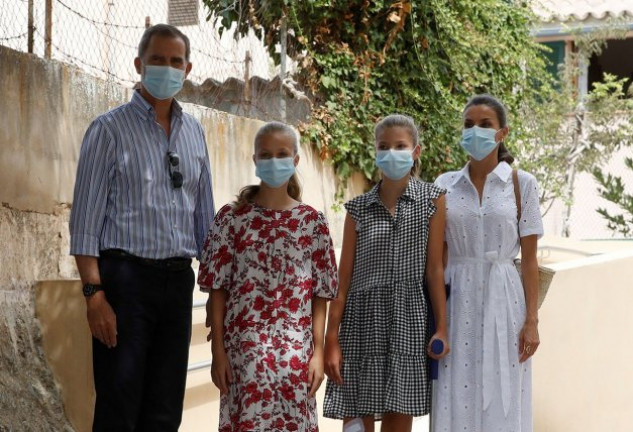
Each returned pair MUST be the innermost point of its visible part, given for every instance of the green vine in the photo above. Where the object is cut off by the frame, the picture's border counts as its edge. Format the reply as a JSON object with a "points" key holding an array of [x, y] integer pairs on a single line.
{"points": [[361, 60]]}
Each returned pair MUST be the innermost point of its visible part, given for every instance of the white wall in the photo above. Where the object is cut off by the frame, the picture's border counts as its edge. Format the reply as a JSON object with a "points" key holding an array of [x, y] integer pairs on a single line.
{"points": [[582, 371]]}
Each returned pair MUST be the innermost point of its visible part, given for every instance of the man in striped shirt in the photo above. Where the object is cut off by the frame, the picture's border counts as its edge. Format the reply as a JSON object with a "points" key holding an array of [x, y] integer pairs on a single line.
{"points": [[142, 206]]}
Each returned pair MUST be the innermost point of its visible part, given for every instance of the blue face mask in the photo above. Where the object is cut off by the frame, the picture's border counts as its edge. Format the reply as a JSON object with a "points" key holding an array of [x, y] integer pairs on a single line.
{"points": [[163, 82], [275, 171], [395, 164], [479, 142]]}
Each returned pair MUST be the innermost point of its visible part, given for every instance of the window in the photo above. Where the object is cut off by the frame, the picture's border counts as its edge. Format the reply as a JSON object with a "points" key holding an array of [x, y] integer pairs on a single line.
{"points": [[616, 59], [555, 57]]}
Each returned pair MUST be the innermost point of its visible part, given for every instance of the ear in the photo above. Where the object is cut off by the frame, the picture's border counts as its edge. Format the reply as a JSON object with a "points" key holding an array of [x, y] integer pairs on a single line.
{"points": [[416, 152], [138, 65], [297, 160], [254, 160], [188, 69], [504, 134]]}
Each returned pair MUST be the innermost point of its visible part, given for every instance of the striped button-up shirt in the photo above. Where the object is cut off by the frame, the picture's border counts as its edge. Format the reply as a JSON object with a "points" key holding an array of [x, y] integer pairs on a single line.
{"points": [[124, 197]]}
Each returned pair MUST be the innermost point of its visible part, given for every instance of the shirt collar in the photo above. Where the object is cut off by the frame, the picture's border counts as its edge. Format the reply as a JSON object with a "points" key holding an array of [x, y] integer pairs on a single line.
{"points": [[412, 192], [147, 111], [502, 171]]}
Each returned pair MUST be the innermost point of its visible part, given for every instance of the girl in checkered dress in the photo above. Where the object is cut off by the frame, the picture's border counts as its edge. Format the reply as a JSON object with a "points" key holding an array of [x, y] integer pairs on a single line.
{"points": [[377, 338]]}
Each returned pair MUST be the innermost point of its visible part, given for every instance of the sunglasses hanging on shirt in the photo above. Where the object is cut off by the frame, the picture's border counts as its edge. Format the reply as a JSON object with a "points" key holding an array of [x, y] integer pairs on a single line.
{"points": [[174, 174]]}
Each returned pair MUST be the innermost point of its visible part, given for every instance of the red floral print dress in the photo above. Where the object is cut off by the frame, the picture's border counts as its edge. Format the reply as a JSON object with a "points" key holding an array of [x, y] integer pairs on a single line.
{"points": [[271, 263]]}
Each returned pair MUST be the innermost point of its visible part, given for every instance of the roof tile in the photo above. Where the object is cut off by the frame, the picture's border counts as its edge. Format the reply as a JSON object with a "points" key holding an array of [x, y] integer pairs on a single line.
{"points": [[582, 10]]}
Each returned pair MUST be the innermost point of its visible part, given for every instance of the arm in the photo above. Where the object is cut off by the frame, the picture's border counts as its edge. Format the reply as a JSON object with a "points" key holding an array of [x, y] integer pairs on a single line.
{"points": [[529, 337], [215, 276], [333, 355], [435, 274], [530, 228], [220, 369], [315, 370], [101, 317], [94, 174], [211, 273]]}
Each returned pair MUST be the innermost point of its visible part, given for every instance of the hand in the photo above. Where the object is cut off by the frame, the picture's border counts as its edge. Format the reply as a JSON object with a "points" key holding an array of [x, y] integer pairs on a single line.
{"points": [[101, 319], [528, 341], [221, 374], [315, 374], [439, 335], [333, 360]]}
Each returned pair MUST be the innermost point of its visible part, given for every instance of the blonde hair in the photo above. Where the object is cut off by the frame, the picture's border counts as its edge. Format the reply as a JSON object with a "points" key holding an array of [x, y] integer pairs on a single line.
{"points": [[403, 121], [247, 193]]}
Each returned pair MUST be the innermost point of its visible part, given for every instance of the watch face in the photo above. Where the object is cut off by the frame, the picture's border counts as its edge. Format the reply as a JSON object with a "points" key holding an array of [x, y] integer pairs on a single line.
{"points": [[90, 289]]}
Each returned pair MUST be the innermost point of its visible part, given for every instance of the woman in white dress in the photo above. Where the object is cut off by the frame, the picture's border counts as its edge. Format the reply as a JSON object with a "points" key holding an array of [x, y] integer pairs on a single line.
{"points": [[484, 383]]}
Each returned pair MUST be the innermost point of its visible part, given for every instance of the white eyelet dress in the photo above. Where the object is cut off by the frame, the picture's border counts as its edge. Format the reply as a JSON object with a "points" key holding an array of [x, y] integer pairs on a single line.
{"points": [[383, 332], [482, 387]]}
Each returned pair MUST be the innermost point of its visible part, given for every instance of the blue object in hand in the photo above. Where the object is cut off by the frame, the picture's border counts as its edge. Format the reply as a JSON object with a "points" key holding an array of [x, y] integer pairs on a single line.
{"points": [[437, 346]]}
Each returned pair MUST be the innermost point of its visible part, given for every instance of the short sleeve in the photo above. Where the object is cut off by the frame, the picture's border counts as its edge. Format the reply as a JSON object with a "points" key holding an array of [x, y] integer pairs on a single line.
{"points": [[442, 182], [216, 263], [531, 222], [433, 192], [324, 272], [353, 209]]}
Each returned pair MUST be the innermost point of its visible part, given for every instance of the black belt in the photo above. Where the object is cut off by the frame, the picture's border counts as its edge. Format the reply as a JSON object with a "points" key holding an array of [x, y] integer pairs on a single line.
{"points": [[172, 264]]}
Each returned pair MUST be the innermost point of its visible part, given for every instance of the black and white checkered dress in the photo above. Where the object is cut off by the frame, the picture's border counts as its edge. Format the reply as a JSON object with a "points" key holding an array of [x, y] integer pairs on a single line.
{"points": [[383, 333]]}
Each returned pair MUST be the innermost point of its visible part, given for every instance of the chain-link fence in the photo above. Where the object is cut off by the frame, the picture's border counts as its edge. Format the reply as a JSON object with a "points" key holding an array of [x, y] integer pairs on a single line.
{"points": [[101, 36]]}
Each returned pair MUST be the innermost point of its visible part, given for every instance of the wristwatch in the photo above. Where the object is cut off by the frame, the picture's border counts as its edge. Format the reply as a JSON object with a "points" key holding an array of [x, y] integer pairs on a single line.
{"points": [[89, 289]]}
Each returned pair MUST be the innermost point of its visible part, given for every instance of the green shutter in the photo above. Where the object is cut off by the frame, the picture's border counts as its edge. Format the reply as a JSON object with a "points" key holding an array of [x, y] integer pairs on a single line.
{"points": [[555, 57]]}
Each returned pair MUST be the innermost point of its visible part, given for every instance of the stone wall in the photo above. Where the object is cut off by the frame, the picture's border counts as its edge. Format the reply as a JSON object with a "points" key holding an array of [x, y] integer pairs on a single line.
{"points": [[46, 108], [256, 98]]}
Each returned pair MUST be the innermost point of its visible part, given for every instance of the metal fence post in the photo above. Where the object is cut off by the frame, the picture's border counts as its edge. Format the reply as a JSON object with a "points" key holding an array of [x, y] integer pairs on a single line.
{"points": [[247, 94], [48, 31], [31, 28], [247, 77], [283, 34]]}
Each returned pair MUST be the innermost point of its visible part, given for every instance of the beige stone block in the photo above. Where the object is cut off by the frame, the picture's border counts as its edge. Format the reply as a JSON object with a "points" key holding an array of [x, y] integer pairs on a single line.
{"points": [[66, 339]]}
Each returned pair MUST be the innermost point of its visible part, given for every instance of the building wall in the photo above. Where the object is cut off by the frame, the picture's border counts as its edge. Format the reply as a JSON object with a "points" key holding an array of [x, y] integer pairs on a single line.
{"points": [[46, 108], [582, 370]]}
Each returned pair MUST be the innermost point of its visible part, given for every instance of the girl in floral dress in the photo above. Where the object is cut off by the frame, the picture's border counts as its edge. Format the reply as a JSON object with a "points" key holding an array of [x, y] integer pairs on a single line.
{"points": [[377, 339], [269, 267]]}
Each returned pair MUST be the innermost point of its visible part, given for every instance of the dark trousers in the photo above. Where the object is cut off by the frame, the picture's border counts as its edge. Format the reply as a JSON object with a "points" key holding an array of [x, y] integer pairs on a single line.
{"points": [[140, 383]]}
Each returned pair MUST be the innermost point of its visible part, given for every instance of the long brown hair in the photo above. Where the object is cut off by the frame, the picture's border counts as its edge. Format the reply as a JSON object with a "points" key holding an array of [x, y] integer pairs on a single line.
{"points": [[247, 193], [503, 154]]}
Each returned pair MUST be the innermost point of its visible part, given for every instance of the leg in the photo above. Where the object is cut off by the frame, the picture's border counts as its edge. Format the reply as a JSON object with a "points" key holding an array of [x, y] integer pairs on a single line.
{"points": [[396, 422], [167, 360], [119, 371], [368, 423]]}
